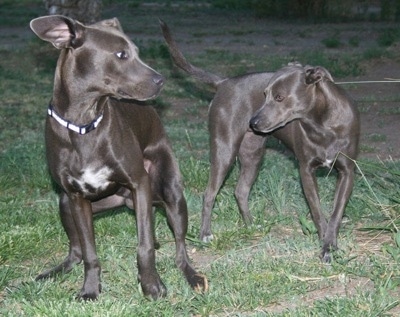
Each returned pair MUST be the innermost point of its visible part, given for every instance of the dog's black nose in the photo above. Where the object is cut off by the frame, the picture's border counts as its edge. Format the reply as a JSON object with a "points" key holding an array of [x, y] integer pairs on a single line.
{"points": [[158, 80], [253, 122]]}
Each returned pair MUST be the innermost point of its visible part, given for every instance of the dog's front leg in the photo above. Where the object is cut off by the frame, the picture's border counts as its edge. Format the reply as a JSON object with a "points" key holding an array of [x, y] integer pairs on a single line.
{"points": [[81, 211], [310, 188], [344, 186], [147, 276]]}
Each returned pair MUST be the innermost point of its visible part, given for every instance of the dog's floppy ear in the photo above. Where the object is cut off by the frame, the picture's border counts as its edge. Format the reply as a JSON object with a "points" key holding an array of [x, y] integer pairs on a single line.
{"points": [[59, 30], [114, 23], [316, 74]]}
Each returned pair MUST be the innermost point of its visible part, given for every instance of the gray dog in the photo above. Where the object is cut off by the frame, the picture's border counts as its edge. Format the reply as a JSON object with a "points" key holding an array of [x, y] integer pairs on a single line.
{"points": [[235, 101], [107, 149], [326, 134], [327, 124]]}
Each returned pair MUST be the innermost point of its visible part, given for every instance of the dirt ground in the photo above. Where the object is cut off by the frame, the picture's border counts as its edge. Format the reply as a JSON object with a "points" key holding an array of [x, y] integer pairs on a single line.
{"points": [[379, 103], [199, 29], [380, 117]]}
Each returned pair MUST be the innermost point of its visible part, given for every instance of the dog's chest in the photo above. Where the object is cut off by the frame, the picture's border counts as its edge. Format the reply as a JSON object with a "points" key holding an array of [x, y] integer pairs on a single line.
{"points": [[90, 180], [327, 154]]}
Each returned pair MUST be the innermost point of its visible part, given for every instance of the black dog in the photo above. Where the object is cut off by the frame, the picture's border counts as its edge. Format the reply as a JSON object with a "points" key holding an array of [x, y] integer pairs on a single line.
{"points": [[104, 152]]}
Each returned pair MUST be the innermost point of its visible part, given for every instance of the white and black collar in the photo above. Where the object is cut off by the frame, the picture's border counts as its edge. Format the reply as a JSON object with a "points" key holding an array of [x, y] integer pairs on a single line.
{"points": [[83, 129]]}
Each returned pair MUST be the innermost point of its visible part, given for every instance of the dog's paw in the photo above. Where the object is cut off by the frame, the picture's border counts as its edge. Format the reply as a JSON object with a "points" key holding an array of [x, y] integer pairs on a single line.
{"points": [[207, 238], [199, 283], [154, 290], [89, 295], [326, 254], [44, 276], [326, 257]]}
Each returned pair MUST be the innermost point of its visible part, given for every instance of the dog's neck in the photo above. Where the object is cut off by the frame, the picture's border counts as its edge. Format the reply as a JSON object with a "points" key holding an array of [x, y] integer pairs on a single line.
{"points": [[81, 129], [73, 102], [319, 128], [338, 111], [76, 112]]}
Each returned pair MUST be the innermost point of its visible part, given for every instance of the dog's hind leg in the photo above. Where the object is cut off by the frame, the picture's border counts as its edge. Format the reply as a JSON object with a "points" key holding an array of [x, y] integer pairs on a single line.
{"points": [[178, 220], [251, 152], [167, 188], [75, 252], [223, 155]]}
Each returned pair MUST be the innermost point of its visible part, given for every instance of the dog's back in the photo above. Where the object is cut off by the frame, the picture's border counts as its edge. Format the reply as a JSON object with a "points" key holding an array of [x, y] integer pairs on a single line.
{"points": [[236, 99]]}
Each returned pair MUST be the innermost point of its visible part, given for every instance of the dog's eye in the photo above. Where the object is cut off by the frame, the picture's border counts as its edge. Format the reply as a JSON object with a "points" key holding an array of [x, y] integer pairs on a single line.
{"points": [[279, 98], [122, 55]]}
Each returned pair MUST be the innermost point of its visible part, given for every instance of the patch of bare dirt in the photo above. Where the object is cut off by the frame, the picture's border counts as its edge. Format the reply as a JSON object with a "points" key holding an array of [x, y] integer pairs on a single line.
{"points": [[198, 31], [379, 103], [380, 110], [344, 286], [340, 285]]}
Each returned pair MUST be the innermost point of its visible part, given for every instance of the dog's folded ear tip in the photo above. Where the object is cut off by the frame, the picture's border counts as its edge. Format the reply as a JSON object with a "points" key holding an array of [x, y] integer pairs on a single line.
{"points": [[315, 74]]}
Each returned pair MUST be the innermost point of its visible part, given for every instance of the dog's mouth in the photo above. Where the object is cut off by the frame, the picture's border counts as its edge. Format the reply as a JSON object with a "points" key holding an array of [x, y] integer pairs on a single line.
{"points": [[124, 95], [273, 128]]}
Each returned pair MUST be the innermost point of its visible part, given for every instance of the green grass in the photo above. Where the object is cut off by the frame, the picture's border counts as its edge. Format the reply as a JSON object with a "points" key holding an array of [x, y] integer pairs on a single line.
{"points": [[332, 42], [388, 37], [18, 13], [268, 269]]}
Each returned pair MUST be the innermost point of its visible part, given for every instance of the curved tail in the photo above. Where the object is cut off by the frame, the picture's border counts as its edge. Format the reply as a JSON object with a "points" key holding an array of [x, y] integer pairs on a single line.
{"points": [[183, 64]]}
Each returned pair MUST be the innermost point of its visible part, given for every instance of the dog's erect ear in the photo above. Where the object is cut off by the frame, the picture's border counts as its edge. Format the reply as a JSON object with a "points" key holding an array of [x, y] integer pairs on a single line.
{"points": [[114, 23], [316, 74], [59, 30]]}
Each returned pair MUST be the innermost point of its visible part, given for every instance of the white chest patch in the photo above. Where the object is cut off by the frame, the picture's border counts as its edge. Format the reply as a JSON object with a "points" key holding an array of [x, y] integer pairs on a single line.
{"points": [[327, 163], [92, 179]]}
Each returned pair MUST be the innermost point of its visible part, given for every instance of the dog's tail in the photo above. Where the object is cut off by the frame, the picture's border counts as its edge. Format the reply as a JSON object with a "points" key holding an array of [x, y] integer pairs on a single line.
{"points": [[183, 64]]}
